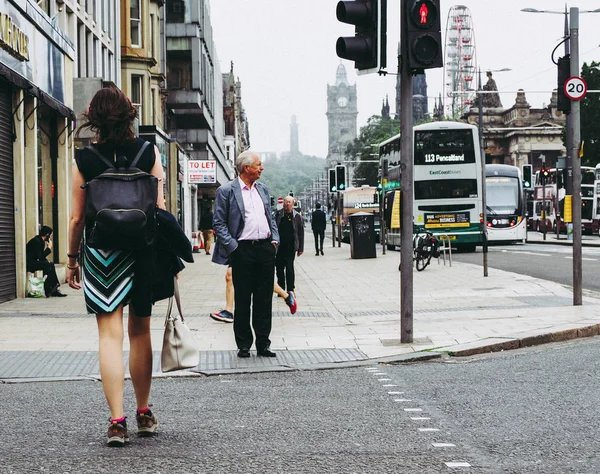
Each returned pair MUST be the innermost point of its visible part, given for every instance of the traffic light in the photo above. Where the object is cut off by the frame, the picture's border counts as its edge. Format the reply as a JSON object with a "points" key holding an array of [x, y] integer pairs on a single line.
{"points": [[563, 103], [340, 177], [332, 186], [544, 173], [527, 176], [367, 48], [423, 41]]}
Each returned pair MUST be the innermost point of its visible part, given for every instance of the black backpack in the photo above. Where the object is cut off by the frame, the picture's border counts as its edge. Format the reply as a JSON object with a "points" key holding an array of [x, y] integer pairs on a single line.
{"points": [[120, 208]]}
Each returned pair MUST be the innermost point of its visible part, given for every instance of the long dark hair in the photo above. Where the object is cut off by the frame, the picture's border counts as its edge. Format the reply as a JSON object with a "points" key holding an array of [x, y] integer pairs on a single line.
{"points": [[110, 116]]}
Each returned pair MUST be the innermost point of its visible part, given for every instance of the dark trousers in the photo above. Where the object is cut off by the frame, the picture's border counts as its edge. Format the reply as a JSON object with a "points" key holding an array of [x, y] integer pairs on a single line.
{"points": [[51, 282], [284, 263], [319, 234], [252, 267]]}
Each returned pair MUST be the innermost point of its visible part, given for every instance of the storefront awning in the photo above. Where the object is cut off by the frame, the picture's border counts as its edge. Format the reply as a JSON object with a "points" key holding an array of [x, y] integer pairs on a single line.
{"points": [[32, 89]]}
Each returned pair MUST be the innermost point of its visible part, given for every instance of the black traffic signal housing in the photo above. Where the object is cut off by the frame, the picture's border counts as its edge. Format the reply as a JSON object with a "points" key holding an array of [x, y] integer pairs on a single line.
{"points": [[423, 42], [563, 103], [544, 173], [527, 177], [340, 177], [332, 186], [367, 48]]}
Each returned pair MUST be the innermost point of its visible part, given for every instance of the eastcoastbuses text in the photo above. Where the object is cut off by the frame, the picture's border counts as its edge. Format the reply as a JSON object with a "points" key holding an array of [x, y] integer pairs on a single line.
{"points": [[447, 183]]}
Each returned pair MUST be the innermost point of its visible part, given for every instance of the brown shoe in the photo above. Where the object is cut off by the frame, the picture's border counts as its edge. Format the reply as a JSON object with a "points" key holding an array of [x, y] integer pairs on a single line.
{"points": [[146, 423], [117, 433]]}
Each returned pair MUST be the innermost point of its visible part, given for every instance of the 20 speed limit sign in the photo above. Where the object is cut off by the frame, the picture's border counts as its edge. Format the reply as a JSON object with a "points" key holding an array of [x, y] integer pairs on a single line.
{"points": [[575, 88]]}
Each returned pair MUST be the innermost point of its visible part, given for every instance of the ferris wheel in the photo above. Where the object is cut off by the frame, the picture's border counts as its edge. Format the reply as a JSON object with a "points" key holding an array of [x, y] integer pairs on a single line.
{"points": [[460, 62]]}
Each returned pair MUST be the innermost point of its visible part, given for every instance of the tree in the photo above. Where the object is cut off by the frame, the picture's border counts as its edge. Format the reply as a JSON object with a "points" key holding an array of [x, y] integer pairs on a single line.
{"points": [[292, 173], [374, 132], [590, 115]]}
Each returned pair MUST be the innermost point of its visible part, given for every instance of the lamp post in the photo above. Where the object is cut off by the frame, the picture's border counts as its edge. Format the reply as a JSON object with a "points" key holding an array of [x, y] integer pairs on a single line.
{"points": [[482, 153]]}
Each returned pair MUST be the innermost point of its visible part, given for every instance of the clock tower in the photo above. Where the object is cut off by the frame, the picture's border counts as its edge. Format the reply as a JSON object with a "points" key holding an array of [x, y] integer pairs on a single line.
{"points": [[341, 116]]}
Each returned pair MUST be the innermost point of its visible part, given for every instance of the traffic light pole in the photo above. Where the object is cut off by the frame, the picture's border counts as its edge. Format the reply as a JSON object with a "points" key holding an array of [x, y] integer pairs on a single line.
{"points": [[576, 134], [406, 186]]}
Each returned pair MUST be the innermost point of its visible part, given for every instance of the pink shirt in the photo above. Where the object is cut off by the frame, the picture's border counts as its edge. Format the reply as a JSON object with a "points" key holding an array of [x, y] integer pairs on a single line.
{"points": [[256, 226]]}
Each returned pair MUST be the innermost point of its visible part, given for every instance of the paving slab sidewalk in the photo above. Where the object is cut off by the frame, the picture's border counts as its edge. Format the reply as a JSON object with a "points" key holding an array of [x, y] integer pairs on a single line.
{"points": [[344, 305]]}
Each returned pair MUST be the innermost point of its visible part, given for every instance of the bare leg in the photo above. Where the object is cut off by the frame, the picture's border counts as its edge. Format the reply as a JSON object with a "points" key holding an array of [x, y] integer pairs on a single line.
{"points": [[140, 357], [229, 297], [112, 368], [279, 291]]}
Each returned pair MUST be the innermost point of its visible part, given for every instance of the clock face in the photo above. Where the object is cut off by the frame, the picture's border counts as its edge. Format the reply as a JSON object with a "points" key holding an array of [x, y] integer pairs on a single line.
{"points": [[342, 102]]}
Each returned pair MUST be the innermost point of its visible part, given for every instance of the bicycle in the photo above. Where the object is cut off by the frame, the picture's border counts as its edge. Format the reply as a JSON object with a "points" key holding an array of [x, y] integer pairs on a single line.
{"points": [[425, 246]]}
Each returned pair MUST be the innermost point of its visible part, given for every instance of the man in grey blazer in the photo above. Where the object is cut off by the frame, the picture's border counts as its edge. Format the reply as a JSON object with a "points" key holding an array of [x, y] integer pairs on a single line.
{"points": [[247, 240]]}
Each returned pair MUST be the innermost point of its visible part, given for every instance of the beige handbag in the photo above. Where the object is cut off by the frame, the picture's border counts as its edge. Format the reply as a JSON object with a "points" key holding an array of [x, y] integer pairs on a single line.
{"points": [[179, 350]]}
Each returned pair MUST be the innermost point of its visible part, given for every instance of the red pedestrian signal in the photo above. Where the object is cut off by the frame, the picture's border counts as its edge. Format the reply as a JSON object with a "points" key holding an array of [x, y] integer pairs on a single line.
{"points": [[423, 39]]}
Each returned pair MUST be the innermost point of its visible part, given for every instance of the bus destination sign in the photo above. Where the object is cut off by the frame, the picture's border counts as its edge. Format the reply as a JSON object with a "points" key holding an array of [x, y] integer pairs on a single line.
{"points": [[439, 221]]}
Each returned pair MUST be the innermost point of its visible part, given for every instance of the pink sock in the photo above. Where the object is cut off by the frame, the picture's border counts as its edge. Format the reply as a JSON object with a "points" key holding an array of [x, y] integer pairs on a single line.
{"points": [[117, 420], [144, 410]]}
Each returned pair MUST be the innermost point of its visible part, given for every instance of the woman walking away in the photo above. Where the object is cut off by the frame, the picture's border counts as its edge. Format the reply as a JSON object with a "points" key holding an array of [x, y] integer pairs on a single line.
{"points": [[113, 277]]}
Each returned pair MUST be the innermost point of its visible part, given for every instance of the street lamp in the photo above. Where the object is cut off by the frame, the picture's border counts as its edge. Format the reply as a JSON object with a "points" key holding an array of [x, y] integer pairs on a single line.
{"points": [[482, 153]]}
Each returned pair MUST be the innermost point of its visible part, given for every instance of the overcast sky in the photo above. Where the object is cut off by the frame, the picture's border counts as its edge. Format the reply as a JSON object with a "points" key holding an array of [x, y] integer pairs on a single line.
{"points": [[284, 54]]}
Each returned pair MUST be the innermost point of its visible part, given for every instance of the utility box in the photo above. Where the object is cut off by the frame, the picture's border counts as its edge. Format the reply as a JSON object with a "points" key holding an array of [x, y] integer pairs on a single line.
{"points": [[362, 235]]}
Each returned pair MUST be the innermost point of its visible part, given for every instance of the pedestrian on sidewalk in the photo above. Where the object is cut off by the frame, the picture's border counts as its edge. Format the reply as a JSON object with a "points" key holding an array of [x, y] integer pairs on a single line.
{"points": [[111, 278], [291, 234], [206, 226], [226, 315], [247, 238], [36, 251], [318, 224]]}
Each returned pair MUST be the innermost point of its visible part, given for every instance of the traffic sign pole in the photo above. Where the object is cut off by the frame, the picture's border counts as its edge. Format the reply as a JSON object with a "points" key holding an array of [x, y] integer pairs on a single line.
{"points": [[576, 130]]}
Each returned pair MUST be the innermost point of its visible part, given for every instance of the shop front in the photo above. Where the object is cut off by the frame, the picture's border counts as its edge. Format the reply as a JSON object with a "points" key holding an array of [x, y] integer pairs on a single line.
{"points": [[36, 125]]}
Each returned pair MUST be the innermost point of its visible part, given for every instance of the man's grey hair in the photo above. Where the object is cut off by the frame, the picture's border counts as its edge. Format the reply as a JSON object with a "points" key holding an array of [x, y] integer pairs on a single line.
{"points": [[245, 158]]}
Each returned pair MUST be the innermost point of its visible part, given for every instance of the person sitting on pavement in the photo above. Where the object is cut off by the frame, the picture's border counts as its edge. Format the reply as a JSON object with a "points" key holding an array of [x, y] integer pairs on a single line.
{"points": [[36, 250], [226, 315]]}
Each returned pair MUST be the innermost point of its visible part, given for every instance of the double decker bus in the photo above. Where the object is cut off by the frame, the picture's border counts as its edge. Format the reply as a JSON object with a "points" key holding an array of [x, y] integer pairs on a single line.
{"points": [[505, 204], [551, 198], [447, 186]]}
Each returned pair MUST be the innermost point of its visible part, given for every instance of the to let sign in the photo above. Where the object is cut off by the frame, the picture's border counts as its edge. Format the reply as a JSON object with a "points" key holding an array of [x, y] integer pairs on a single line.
{"points": [[202, 172]]}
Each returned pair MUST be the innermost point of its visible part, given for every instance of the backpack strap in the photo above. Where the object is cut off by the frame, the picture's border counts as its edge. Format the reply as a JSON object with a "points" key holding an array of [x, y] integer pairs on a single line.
{"points": [[101, 156], [139, 154]]}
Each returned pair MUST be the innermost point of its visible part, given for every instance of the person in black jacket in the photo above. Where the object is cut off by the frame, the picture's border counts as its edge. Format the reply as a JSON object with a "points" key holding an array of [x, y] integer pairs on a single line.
{"points": [[319, 223], [37, 250]]}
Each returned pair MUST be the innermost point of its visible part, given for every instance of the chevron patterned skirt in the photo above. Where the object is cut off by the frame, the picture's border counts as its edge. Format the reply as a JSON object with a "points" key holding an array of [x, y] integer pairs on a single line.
{"points": [[107, 279]]}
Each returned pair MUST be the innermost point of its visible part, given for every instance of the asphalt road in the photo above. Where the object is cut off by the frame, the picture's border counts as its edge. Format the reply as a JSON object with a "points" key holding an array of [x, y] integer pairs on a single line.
{"points": [[526, 411], [546, 261], [529, 411]]}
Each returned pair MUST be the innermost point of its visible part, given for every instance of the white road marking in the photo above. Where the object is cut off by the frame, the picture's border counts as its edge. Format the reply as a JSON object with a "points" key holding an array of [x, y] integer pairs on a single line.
{"points": [[402, 400], [413, 409], [420, 418], [443, 445], [429, 429], [390, 385], [395, 393], [457, 464], [384, 380]]}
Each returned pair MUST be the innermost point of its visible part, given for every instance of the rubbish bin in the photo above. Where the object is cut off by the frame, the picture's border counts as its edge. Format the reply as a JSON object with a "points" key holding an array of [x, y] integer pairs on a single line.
{"points": [[362, 235]]}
